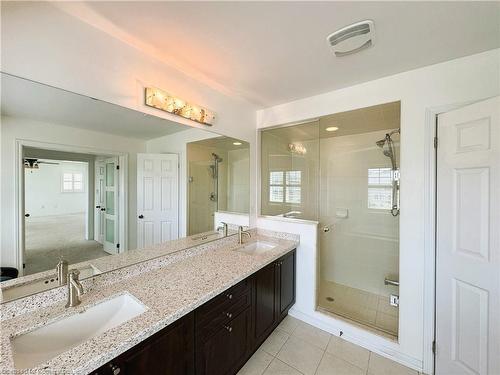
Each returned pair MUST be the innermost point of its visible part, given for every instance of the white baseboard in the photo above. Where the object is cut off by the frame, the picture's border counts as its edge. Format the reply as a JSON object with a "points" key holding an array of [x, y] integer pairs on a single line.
{"points": [[377, 344]]}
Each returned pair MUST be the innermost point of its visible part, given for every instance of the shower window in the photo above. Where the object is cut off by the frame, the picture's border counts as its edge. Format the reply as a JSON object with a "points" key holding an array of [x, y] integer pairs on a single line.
{"points": [[380, 188], [285, 186]]}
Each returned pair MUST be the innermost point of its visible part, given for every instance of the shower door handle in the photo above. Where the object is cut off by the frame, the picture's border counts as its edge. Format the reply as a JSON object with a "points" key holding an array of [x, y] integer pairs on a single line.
{"points": [[391, 282]]}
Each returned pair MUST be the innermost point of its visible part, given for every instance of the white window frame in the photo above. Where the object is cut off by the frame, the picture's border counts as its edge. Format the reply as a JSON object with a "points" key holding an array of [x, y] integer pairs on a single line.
{"points": [[379, 185], [284, 186], [72, 181]]}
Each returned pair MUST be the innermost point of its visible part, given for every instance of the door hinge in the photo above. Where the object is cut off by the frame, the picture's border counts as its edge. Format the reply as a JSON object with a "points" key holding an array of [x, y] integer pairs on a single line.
{"points": [[434, 347], [435, 142], [117, 167], [117, 245]]}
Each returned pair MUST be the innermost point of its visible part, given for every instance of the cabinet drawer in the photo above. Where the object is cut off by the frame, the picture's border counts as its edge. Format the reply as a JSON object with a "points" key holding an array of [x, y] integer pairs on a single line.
{"points": [[224, 352], [219, 304], [221, 317]]}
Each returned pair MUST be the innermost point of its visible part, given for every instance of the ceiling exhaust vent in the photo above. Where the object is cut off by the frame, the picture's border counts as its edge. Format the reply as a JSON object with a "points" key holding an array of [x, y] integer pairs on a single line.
{"points": [[352, 38]]}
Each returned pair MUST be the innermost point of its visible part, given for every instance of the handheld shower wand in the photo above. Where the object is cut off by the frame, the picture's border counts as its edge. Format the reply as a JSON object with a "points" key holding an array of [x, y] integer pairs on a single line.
{"points": [[387, 146]]}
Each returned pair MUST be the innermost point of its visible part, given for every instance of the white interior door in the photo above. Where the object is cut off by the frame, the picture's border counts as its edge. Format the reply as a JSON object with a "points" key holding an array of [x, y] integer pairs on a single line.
{"points": [[111, 223], [468, 240], [99, 201], [157, 198]]}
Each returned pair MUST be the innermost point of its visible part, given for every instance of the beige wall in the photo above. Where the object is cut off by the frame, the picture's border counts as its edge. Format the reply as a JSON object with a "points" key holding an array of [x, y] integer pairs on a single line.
{"points": [[238, 181], [233, 184]]}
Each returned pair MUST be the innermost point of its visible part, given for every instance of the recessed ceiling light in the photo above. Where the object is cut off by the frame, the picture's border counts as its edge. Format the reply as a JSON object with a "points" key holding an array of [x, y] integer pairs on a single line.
{"points": [[237, 143], [331, 129]]}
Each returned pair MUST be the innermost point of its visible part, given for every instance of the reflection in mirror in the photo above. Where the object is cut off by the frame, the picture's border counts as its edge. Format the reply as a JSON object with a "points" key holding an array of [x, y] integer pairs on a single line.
{"points": [[96, 186], [218, 175]]}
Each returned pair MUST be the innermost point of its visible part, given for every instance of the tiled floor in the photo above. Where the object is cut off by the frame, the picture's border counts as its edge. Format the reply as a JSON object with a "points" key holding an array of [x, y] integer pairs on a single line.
{"points": [[358, 305], [296, 348]]}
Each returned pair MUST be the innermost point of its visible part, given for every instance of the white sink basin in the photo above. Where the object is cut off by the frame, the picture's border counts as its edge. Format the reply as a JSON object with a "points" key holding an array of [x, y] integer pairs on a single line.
{"points": [[45, 343], [257, 247]]}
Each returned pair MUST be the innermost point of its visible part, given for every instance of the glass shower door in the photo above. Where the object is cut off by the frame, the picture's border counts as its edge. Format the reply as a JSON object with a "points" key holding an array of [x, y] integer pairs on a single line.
{"points": [[359, 227], [343, 171]]}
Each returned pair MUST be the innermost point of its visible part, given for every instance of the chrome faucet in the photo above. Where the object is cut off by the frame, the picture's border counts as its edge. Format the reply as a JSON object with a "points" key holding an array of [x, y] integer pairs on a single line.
{"points": [[224, 228], [62, 271], [75, 288], [242, 232]]}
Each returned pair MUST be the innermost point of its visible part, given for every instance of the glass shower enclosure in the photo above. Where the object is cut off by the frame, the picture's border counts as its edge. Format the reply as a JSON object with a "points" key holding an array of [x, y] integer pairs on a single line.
{"points": [[343, 171]]}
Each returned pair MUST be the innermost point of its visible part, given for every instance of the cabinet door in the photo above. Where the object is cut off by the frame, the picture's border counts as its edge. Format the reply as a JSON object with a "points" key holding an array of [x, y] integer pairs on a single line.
{"points": [[226, 351], [169, 352], [287, 283], [264, 302]]}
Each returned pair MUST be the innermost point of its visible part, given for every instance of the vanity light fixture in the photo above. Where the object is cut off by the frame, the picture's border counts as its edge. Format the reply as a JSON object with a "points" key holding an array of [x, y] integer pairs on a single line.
{"points": [[332, 129], [160, 99], [297, 148], [237, 143]]}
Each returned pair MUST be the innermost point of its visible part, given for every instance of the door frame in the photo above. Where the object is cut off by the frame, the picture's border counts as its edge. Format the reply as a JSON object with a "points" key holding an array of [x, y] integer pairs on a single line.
{"points": [[430, 230], [97, 228], [19, 190]]}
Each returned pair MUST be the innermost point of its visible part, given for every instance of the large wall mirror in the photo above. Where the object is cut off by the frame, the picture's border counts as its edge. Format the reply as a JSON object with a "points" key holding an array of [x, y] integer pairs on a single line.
{"points": [[100, 186]]}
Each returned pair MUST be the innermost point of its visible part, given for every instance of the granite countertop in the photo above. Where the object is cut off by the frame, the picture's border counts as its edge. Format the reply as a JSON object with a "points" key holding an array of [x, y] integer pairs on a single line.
{"points": [[169, 292], [115, 261]]}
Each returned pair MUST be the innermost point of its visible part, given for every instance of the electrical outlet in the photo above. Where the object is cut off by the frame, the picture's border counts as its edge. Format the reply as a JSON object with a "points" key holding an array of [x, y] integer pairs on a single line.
{"points": [[394, 300]]}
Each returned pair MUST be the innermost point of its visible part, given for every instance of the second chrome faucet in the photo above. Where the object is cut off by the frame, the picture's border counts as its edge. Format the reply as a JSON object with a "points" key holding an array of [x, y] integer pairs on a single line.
{"points": [[75, 288], [241, 233]]}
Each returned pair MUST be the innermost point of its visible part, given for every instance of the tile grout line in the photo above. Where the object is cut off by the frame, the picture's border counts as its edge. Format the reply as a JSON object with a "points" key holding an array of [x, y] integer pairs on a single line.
{"points": [[269, 364], [323, 356], [279, 351]]}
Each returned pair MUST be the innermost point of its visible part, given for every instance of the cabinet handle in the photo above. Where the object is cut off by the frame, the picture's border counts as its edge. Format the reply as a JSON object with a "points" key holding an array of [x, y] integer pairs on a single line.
{"points": [[229, 296], [141, 216], [229, 315], [228, 328], [114, 369]]}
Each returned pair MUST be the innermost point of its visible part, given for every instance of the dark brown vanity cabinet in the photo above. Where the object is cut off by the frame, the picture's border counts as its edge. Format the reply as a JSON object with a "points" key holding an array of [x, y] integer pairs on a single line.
{"points": [[168, 352], [274, 294], [286, 270], [219, 336], [223, 331]]}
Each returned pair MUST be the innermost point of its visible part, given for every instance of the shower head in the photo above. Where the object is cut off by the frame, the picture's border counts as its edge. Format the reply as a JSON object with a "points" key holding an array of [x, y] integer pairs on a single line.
{"points": [[387, 147], [217, 158], [381, 143], [385, 144]]}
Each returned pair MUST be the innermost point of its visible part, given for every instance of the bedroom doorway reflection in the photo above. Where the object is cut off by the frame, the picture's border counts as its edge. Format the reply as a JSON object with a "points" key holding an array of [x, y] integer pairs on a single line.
{"points": [[66, 196]]}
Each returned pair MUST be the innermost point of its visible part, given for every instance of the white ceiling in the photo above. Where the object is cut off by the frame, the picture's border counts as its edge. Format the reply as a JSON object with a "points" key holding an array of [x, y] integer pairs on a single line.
{"points": [[275, 52], [28, 99], [223, 143]]}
